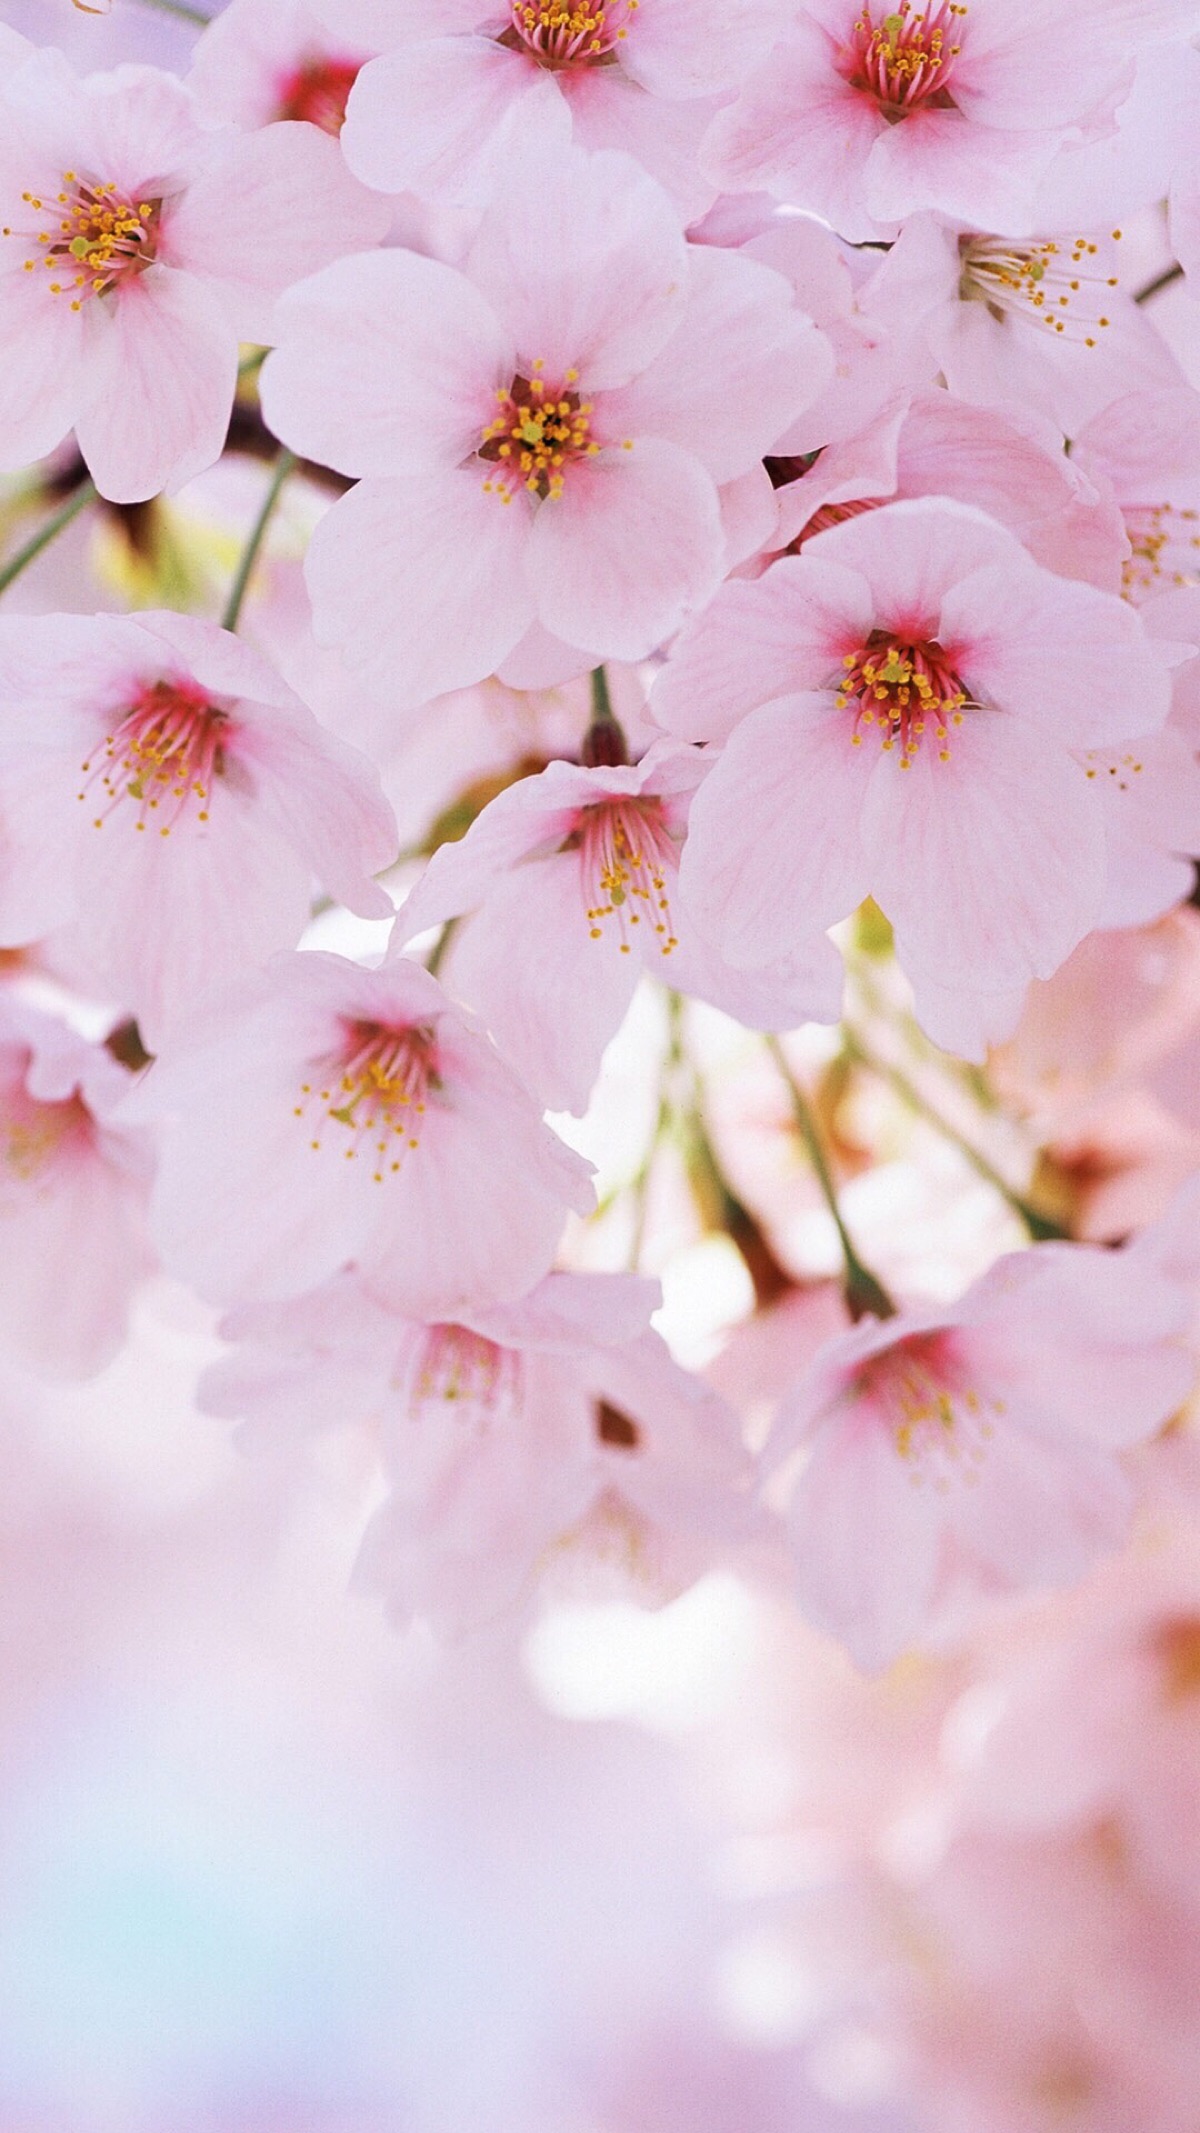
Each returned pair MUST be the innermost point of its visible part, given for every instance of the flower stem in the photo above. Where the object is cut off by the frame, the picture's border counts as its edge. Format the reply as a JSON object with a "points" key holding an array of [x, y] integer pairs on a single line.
{"points": [[604, 743], [83, 495], [1164, 280], [1041, 1228], [284, 465], [864, 1292]]}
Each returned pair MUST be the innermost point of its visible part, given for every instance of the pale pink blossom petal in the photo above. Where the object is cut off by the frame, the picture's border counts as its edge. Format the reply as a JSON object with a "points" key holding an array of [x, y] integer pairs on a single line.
{"points": [[629, 548], [422, 582], [161, 370], [390, 364], [431, 117]]}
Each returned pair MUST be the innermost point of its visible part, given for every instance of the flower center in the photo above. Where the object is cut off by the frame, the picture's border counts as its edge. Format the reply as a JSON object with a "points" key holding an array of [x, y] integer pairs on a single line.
{"points": [[1166, 549], [1052, 282], [32, 1134], [537, 432], [907, 690], [940, 1425], [95, 239], [569, 33], [317, 91], [374, 1089], [164, 754], [454, 1367], [626, 855], [905, 62]]}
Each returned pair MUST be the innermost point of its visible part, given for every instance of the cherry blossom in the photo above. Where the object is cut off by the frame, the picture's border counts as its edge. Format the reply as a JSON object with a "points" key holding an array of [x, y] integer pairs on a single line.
{"points": [[74, 1182], [572, 877], [136, 249], [323, 1113], [976, 1447], [169, 800], [542, 436], [463, 80], [265, 60], [867, 117], [554, 1431], [898, 708]]}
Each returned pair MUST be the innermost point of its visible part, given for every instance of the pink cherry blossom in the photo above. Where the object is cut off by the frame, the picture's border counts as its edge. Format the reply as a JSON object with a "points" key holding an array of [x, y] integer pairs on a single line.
{"points": [[1041, 323], [324, 1114], [464, 79], [572, 878], [1009, 464], [899, 706], [974, 1449], [264, 60], [137, 250], [1150, 786], [865, 116], [74, 1183], [543, 436], [1145, 448], [548, 1432], [165, 796]]}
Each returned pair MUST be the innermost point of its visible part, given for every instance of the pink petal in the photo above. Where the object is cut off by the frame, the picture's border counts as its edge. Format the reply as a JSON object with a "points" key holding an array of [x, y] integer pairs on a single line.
{"points": [[388, 364], [787, 631], [431, 117], [914, 554], [421, 583], [865, 1542], [740, 321], [800, 132], [633, 543], [583, 259], [990, 865], [1074, 661], [161, 372], [264, 210], [773, 854]]}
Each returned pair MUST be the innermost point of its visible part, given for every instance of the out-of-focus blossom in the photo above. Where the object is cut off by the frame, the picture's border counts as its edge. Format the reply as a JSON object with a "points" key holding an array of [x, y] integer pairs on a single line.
{"points": [[974, 1449], [264, 60], [550, 1435], [73, 1190]]}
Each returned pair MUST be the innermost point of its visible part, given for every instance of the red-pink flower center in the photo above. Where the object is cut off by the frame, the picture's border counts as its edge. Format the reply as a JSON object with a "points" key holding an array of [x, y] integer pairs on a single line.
{"points": [[909, 692], [455, 1367], [905, 60], [372, 1089], [163, 754], [569, 33], [317, 90], [940, 1424], [90, 237], [538, 432], [626, 858]]}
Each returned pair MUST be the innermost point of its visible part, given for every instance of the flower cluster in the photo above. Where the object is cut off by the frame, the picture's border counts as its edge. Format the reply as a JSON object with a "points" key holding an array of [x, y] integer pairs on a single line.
{"points": [[599, 809]]}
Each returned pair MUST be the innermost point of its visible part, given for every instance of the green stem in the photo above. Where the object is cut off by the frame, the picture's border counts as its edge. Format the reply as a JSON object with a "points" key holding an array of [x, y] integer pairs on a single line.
{"points": [[284, 465], [602, 710], [83, 495], [1040, 1227], [864, 1292]]}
